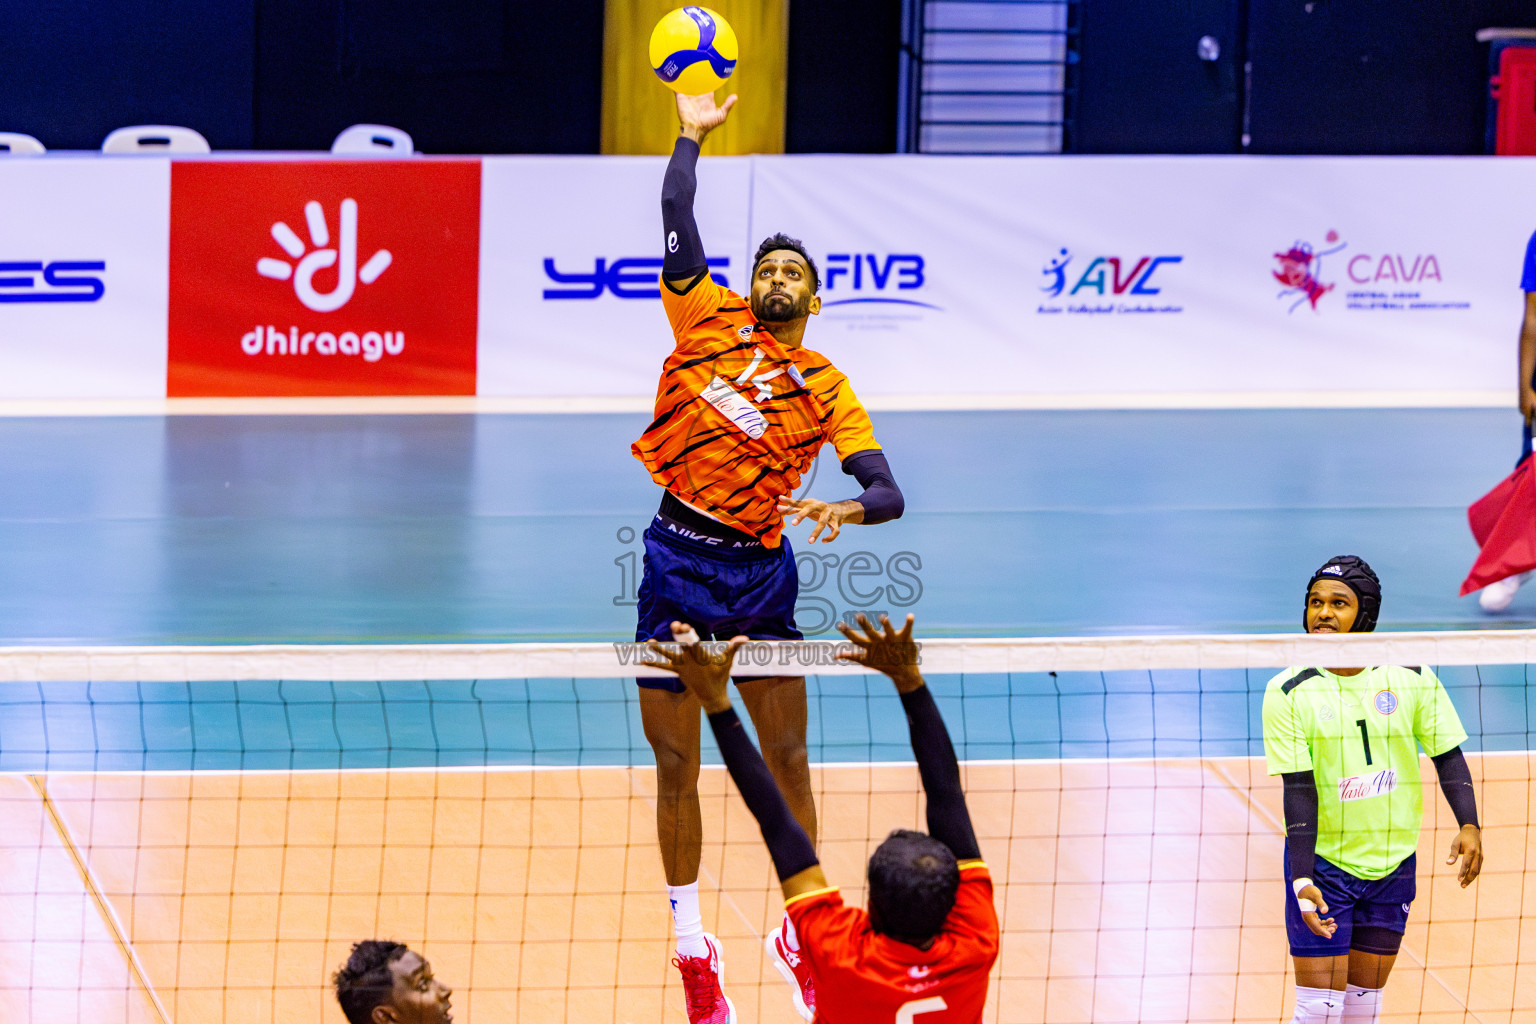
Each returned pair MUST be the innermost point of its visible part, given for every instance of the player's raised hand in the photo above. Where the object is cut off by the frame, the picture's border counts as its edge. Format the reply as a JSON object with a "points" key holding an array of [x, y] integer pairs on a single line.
{"points": [[1311, 895], [704, 668], [829, 516], [886, 650], [1468, 845], [700, 115]]}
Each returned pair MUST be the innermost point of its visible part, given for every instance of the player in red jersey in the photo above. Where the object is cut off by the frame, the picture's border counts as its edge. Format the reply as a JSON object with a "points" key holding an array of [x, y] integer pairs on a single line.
{"points": [[922, 952]]}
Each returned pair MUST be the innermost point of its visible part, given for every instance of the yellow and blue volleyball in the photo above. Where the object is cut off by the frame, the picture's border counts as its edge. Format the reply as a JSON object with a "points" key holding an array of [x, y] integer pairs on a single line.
{"points": [[693, 50]]}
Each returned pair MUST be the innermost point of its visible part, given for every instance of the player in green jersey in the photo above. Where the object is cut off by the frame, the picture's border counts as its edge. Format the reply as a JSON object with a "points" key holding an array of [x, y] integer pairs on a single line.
{"points": [[1346, 741]]}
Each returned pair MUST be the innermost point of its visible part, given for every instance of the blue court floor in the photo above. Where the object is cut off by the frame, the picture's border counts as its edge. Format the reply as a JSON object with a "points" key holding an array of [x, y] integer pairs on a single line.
{"points": [[206, 529], [198, 529]]}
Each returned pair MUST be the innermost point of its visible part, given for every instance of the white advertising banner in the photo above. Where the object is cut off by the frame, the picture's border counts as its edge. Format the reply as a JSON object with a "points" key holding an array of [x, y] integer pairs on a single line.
{"points": [[947, 281], [1125, 275], [570, 251], [953, 280], [83, 272]]}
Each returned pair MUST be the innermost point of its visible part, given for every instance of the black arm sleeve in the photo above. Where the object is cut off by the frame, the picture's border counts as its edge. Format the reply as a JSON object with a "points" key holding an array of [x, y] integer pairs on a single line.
{"points": [[1301, 822], [881, 499], [684, 259], [788, 844], [949, 820], [1456, 784]]}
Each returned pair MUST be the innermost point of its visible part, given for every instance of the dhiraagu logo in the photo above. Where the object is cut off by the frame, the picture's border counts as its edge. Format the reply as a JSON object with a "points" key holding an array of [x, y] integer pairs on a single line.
{"points": [[310, 261], [1107, 285], [333, 277]]}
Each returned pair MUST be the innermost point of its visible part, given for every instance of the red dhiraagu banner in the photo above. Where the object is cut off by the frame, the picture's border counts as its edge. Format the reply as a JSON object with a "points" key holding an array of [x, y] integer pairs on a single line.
{"points": [[324, 277]]}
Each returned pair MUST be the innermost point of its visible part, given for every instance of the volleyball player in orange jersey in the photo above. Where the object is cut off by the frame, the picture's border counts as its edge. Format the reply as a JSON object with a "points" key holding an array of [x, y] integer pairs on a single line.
{"points": [[923, 951], [742, 409]]}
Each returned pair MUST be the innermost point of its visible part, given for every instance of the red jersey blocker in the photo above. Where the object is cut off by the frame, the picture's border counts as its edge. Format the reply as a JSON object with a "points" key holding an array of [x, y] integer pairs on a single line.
{"points": [[924, 963], [866, 978], [739, 416]]}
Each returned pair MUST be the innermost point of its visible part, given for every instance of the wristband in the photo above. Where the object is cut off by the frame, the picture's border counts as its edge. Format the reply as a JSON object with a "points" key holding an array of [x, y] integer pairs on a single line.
{"points": [[1306, 906]]}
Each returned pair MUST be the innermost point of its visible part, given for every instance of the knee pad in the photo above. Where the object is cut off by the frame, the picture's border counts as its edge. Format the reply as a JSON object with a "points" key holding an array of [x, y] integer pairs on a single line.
{"points": [[1318, 1006], [1362, 1005]]}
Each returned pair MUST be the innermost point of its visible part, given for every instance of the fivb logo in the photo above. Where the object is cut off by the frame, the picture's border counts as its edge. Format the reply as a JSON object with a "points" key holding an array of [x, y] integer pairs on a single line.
{"points": [[371, 345], [322, 258], [872, 278]]}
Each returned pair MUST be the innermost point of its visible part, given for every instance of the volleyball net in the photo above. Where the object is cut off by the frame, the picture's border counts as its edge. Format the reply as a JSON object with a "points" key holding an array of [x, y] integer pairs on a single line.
{"points": [[200, 834]]}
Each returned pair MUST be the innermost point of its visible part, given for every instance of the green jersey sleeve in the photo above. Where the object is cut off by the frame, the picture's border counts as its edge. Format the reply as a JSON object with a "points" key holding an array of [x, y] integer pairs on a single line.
{"points": [[1286, 747], [1436, 725]]}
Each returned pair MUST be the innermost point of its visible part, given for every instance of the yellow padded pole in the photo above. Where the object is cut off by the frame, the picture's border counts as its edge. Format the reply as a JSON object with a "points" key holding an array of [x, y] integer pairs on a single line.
{"points": [[638, 112]]}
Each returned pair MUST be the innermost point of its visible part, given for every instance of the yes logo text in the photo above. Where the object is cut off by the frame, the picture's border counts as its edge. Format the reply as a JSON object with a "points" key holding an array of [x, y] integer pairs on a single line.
{"points": [[59, 281], [633, 277]]}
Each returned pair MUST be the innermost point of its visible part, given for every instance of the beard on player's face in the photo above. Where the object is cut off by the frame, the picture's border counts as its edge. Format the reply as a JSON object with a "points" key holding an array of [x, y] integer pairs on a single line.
{"points": [[782, 290], [777, 307]]}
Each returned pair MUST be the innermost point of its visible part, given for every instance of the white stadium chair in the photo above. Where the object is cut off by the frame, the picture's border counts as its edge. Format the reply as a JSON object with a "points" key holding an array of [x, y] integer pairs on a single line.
{"points": [[150, 139], [17, 144], [373, 140]]}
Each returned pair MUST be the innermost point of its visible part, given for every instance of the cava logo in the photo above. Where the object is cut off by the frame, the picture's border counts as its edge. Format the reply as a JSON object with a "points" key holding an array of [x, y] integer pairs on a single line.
{"points": [[1301, 270], [1367, 269], [322, 257], [1380, 281]]}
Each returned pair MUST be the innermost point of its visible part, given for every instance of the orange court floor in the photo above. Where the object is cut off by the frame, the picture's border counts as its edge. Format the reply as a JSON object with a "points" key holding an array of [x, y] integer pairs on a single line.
{"points": [[1128, 890]]}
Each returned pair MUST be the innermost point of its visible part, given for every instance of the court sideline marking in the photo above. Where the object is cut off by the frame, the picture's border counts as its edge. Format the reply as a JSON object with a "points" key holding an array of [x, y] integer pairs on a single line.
{"points": [[103, 905]]}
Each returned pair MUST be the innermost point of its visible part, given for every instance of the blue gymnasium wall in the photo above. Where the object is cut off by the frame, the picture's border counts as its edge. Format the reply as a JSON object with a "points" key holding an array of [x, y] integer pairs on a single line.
{"points": [[1339, 77], [508, 76], [462, 76], [74, 71]]}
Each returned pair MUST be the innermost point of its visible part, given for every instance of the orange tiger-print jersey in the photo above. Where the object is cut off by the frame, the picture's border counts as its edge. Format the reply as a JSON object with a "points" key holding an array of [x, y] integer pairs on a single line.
{"points": [[739, 416]]}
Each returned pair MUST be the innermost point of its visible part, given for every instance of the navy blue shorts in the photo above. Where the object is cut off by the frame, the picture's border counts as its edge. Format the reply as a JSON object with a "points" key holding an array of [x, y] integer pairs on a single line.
{"points": [[720, 593], [1352, 903]]}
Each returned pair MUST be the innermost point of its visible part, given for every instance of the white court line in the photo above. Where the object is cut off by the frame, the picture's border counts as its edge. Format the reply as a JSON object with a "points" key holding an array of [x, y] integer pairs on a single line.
{"points": [[470, 404], [103, 905]]}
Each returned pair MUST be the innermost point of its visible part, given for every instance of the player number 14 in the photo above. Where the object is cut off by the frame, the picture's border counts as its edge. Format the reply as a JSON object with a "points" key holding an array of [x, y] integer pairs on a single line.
{"points": [[907, 1012]]}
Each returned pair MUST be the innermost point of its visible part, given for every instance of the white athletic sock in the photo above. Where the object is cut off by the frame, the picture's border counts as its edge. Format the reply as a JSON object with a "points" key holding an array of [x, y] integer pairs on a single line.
{"points": [[687, 921], [790, 938], [1362, 1005], [1318, 1006]]}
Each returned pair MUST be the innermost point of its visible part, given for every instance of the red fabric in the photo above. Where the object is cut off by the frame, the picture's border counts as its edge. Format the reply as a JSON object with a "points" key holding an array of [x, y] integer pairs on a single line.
{"points": [[865, 978], [1504, 523], [1515, 89]]}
